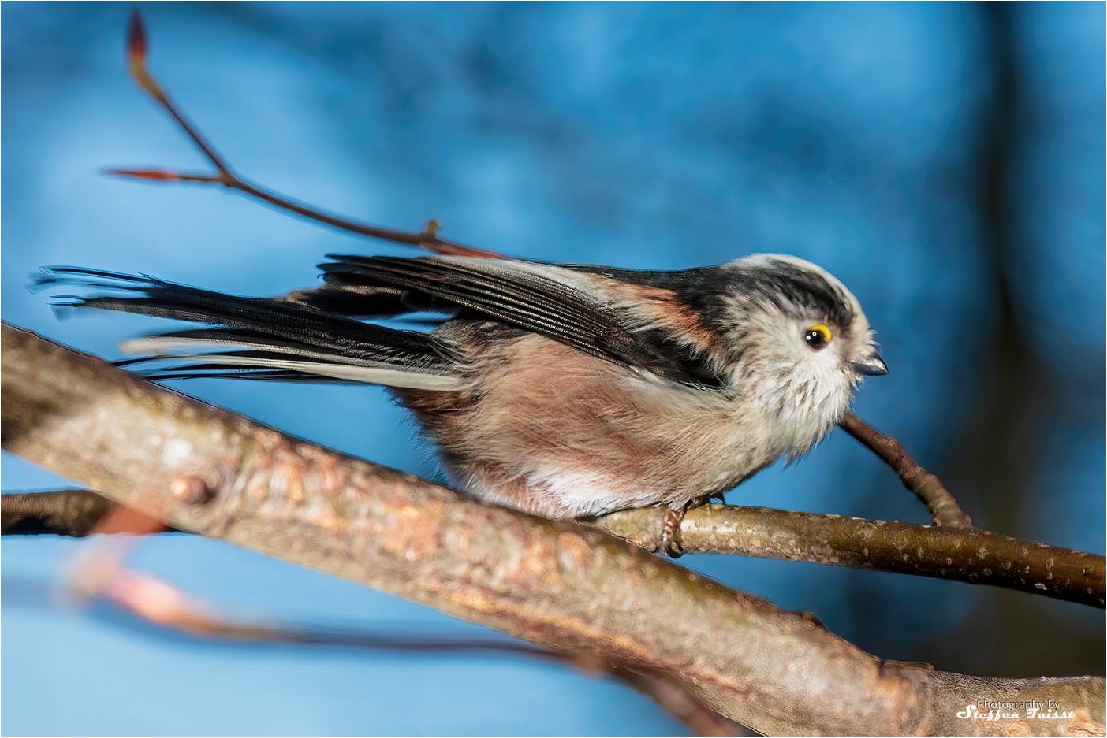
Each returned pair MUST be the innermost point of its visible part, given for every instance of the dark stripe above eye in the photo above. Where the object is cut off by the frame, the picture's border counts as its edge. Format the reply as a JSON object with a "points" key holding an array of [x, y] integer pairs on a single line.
{"points": [[806, 294], [792, 287]]}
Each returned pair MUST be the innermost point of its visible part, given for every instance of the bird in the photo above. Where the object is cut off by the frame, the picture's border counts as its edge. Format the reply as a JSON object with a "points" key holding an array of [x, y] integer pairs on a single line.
{"points": [[561, 390]]}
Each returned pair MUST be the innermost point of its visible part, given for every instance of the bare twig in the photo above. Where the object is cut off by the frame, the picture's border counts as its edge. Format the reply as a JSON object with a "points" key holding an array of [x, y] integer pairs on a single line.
{"points": [[158, 603], [959, 555], [556, 584], [63, 512], [928, 488], [137, 48]]}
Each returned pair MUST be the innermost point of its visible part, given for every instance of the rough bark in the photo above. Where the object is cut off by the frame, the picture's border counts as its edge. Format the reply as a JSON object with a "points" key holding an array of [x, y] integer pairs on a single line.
{"points": [[561, 585]]}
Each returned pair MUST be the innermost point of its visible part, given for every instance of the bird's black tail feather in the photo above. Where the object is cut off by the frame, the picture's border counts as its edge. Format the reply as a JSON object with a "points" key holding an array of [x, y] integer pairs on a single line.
{"points": [[259, 338]]}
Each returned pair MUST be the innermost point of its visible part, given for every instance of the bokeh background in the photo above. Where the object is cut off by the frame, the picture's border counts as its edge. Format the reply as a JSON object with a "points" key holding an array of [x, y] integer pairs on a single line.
{"points": [[946, 161]]}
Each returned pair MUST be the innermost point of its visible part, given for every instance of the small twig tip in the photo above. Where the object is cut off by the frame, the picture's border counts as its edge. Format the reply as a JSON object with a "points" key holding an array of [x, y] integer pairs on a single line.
{"points": [[136, 39], [150, 175]]}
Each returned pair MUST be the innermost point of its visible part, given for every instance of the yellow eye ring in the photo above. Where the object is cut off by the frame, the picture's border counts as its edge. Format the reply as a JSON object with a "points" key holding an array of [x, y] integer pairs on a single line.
{"points": [[818, 336]]}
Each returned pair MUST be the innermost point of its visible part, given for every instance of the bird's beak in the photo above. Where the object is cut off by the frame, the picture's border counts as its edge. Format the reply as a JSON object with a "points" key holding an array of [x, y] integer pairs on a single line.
{"points": [[873, 366]]}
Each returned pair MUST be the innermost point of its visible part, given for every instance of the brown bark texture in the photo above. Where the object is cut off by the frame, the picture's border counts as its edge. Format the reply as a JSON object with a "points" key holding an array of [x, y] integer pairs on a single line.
{"points": [[562, 585]]}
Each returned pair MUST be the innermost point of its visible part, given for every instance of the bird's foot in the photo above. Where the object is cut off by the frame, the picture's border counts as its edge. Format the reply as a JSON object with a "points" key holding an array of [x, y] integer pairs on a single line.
{"points": [[671, 545]]}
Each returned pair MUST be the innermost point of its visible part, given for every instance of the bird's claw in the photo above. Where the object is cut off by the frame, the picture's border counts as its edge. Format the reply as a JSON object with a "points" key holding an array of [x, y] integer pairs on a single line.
{"points": [[671, 545]]}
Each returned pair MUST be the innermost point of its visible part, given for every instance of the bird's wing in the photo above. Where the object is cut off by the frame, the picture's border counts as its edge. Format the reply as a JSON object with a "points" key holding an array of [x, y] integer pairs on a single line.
{"points": [[370, 301], [642, 327]]}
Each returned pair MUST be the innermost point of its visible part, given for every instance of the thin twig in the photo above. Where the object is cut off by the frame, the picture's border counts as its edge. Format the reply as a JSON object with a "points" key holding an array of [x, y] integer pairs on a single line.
{"points": [[928, 488], [158, 603], [958, 555], [137, 50], [965, 555], [63, 512]]}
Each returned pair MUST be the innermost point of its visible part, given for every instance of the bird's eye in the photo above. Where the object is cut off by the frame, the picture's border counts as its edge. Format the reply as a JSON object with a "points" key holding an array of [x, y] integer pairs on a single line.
{"points": [[818, 336]]}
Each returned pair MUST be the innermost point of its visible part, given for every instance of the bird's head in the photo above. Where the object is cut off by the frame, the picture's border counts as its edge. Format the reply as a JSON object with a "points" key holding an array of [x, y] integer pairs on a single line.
{"points": [[798, 344]]}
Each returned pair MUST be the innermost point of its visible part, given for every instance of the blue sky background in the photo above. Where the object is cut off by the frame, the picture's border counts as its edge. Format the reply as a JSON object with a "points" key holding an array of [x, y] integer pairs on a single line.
{"points": [[946, 161]]}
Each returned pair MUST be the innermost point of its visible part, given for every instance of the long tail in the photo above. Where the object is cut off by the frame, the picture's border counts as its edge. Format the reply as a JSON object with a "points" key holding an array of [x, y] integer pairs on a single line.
{"points": [[260, 338]]}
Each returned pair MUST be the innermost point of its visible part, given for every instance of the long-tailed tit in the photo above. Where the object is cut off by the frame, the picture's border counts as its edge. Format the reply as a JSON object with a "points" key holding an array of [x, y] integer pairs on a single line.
{"points": [[561, 390]]}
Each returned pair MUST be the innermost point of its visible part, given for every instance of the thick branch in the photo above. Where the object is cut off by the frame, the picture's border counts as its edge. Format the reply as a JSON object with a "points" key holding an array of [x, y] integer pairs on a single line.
{"points": [[557, 584], [967, 555]]}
